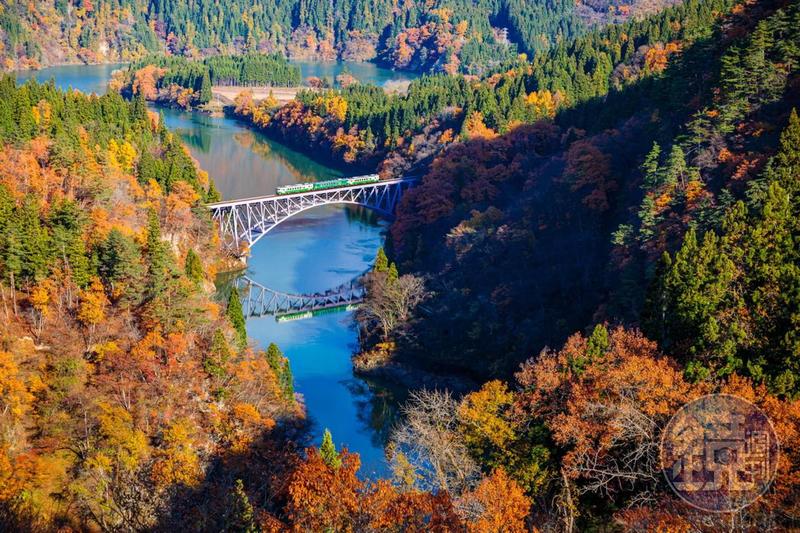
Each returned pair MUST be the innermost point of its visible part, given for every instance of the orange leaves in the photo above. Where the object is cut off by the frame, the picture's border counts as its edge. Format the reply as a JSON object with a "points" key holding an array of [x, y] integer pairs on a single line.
{"points": [[475, 127], [446, 137], [239, 427], [452, 65], [502, 503], [415, 511], [148, 348], [589, 167], [145, 81], [177, 461], [349, 143], [599, 396], [657, 56], [99, 224], [15, 400], [324, 498]]}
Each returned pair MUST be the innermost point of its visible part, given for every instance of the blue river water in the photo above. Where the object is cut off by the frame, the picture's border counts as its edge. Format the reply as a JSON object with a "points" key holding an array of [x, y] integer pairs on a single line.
{"points": [[314, 251]]}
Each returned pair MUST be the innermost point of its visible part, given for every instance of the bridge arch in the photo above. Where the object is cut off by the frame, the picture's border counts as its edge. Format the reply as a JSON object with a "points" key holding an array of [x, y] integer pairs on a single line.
{"points": [[246, 221]]}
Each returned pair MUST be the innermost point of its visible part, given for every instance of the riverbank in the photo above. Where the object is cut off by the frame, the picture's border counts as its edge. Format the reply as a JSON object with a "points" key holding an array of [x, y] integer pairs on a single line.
{"points": [[377, 363], [226, 94]]}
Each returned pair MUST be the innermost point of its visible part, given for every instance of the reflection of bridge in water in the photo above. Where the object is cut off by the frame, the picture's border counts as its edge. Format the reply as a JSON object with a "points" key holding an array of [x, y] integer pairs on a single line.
{"points": [[258, 300]]}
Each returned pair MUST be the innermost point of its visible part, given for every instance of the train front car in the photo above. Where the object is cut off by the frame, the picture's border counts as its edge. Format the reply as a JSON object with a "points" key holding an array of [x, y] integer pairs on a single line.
{"points": [[294, 188]]}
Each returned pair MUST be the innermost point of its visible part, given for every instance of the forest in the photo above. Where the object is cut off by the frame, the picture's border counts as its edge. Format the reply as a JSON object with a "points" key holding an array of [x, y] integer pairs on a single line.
{"points": [[605, 229], [442, 35], [177, 80], [130, 397]]}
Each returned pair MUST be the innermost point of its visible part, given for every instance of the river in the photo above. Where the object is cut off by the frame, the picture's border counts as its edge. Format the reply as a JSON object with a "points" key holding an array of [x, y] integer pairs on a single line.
{"points": [[313, 251]]}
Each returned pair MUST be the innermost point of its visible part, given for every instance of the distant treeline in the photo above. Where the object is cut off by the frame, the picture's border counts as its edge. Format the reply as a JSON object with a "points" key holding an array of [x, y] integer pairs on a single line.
{"points": [[248, 69]]}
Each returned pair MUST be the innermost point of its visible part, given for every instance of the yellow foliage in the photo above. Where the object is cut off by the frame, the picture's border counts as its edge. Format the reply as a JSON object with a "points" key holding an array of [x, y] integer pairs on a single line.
{"points": [[103, 350], [121, 155], [543, 102], [481, 415], [333, 106], [40, 297], [122, 443], [475, 127], [15, 399], [177, 462], [91, 310]]}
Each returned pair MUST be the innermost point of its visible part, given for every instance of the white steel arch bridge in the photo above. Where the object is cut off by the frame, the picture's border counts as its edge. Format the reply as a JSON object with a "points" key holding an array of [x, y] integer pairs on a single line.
{"points": [[242, 223]]}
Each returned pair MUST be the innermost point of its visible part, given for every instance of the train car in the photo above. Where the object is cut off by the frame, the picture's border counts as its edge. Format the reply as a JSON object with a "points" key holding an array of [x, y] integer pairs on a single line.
{"points": [[327, 184], [295, 188]]}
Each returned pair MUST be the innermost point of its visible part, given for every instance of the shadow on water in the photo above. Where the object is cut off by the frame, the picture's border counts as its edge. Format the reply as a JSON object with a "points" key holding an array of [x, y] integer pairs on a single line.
{"points": [[377, 404]]}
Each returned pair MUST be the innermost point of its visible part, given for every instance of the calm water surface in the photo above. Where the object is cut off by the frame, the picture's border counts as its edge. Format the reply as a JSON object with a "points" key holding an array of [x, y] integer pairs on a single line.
{"points": [[315, 250]]}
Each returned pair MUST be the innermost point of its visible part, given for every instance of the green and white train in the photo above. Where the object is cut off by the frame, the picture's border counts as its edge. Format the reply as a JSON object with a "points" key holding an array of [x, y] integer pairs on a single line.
{"points": [[327, 184]]}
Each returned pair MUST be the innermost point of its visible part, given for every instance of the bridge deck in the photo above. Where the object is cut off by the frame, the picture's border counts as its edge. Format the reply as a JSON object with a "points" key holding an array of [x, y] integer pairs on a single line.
{"points": [[257, 199]]}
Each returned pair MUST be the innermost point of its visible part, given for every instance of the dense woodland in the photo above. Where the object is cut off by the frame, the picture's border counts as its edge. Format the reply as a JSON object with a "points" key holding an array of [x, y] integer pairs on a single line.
{"points": [[177, 80], [129, 396], [603, 231], [442, 35], [658, 203]]}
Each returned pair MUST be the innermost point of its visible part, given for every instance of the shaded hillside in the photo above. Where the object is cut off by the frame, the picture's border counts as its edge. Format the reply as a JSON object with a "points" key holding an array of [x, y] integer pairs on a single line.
{"points": [[528, 236], [446, 35]]}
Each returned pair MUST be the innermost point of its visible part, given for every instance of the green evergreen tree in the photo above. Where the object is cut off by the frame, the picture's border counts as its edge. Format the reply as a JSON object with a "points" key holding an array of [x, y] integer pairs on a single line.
{"points": [[392, 275], [215, 360], [676, 170], [280, 365], [119, 264], [327, 451], [784, 167], [650, 168], [33, 240], [157, 257], [204, 95], [212, 195], [236, 317], [381, 261], [240, 517], [194, 267]]}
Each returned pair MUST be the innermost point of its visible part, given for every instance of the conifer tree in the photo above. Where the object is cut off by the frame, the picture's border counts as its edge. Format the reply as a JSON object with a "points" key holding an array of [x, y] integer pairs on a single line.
{"points": [[650, 168], [212, 195], [194, 267], [280, 365], [381, 261], [157, 256], [205, 89], [240, 517], [236, 317], [218, 355], [327, 451]]}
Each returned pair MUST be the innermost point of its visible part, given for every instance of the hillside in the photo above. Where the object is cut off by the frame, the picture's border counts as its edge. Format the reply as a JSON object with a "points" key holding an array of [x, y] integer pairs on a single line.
{"points": [[602, 232], [446, 35]]}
